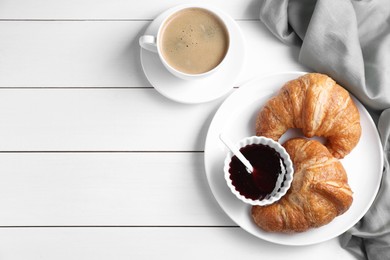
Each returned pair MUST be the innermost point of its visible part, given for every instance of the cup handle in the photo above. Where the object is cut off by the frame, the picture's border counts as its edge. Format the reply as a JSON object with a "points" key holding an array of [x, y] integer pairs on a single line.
{"points": [[148, 42]]}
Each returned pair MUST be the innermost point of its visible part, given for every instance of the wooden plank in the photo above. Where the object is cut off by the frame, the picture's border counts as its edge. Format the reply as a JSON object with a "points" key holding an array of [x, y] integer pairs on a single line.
{"points": [[153, 243], [100, 120], [106, 189], [107, 54], [71, 54], [113, 9]]}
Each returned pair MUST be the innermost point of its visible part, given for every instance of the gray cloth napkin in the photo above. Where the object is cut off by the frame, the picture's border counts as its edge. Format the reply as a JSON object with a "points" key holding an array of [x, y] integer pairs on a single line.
{"points": [[349, 41]]}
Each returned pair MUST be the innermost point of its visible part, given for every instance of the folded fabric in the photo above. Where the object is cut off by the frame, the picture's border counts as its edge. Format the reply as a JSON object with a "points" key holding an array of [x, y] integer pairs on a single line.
{"points": [[350, 41]]}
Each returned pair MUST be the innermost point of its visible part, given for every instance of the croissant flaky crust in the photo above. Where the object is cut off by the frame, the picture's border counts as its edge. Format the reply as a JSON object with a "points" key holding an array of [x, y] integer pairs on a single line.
{"points": [[319, 106], [319, 191]]}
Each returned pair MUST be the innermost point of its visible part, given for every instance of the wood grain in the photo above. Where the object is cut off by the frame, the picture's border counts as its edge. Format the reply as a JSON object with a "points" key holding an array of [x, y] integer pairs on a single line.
{"points": [[104, 54], [114, 9], [152, 243], [106, 189], [100, 120]]}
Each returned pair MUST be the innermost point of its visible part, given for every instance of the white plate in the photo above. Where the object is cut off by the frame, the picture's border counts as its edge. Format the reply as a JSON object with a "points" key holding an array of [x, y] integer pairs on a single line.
{"points": [[195, 91], [236, 117]]}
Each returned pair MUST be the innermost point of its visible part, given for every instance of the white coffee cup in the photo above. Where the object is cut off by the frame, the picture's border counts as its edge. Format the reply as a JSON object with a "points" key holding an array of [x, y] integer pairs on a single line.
{"points": [[205, 55]]}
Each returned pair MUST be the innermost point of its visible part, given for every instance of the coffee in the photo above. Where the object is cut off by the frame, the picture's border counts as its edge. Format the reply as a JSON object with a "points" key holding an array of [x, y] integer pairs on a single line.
{"points": [[194, 41]]}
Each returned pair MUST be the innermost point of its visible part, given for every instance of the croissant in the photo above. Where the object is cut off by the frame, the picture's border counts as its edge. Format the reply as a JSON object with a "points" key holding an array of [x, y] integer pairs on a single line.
{"points": [[317, 105], [319, 191]]}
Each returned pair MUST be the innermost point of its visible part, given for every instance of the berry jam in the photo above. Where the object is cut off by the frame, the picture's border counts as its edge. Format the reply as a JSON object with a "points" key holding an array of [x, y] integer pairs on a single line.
{"points": [[267, 166]]}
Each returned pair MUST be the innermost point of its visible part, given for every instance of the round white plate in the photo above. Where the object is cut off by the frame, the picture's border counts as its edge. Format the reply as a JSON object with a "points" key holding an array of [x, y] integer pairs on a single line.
{"points": [[201, 90], [236, 118]]}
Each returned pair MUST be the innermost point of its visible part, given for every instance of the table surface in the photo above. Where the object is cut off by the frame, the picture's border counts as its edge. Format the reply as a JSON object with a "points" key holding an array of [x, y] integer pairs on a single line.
{"points": [[95, 163]]}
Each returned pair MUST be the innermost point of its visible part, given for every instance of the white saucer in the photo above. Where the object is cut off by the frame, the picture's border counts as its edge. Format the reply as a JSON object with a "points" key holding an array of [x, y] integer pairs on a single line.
{"points": [[201, 90]]}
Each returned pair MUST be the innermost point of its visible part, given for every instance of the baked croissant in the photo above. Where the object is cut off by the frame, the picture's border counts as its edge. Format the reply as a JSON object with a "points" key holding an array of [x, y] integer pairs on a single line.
{"points": [[319, 191], [319, 106]]}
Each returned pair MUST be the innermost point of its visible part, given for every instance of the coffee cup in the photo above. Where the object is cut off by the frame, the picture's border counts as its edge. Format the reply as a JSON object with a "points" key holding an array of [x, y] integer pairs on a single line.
{"points": [[192, 41]]}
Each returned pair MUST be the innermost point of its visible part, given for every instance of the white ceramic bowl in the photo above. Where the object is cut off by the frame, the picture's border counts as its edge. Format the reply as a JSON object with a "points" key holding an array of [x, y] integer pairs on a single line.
{"points": [[283, 182]]}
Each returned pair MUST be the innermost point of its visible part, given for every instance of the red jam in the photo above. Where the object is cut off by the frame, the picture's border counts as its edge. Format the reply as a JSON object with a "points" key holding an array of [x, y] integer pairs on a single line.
{"points": [[267, 167]]}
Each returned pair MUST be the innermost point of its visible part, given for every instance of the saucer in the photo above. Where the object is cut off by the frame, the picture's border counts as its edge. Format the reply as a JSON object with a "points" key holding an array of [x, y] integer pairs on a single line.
{"points": [[200, 90]]}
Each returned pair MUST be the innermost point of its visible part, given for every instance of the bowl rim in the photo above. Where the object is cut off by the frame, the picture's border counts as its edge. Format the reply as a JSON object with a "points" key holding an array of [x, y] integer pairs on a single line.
{"points": [[289, 173]]}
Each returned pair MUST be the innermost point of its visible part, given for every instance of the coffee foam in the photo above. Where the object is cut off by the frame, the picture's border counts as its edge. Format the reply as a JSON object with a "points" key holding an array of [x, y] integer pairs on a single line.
{"points": [[194, 41]]}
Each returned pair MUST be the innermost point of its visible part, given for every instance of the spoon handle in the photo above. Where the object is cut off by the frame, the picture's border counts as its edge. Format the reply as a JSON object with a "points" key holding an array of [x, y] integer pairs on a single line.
{"points": [[232, 147]]}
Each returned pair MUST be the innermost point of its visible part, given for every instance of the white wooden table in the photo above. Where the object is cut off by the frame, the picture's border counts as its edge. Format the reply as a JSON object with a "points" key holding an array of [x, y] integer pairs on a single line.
{"points": [[94, 162]]}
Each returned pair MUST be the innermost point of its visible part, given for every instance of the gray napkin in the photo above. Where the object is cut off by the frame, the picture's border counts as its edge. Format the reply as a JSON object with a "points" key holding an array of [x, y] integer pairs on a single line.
{"points": [[350, 41]]}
